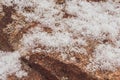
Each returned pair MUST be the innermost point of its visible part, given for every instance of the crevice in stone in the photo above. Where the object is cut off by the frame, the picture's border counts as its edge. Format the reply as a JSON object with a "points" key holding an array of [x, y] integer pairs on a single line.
{"points": [[54, 69], [6, 19]]}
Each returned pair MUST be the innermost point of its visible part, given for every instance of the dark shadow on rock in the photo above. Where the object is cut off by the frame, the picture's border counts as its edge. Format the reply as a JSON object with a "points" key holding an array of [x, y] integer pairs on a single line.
{"points": [[6, 19], [53, 69]]}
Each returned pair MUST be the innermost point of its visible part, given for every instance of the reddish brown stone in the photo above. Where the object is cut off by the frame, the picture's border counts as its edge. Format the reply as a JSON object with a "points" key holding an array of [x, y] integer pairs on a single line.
{"points": [[53, 69]]}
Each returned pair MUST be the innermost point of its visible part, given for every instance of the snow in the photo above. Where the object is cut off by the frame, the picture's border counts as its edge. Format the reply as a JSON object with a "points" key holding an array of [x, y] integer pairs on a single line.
{"points": [[21, 73], [9, 64], [59, 40], [96, 20], [105, 57]]}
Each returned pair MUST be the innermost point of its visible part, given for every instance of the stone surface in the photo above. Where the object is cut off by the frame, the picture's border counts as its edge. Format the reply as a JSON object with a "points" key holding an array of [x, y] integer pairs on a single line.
{"points": [[53, 69], [41, 66]]}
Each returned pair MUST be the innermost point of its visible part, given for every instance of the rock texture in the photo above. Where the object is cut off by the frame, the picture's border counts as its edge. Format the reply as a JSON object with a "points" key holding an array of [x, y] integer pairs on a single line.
{"points": [[47, 65], [53, 69]]}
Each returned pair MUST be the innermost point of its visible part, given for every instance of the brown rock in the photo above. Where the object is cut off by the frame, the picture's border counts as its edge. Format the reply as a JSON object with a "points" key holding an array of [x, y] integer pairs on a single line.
{"points": [[53, 69], [6, 19]]}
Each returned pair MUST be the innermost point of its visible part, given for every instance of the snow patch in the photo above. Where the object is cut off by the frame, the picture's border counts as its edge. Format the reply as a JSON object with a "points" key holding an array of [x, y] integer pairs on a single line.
{"points": [[9, 64], [105, 57], [97, 20]]}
